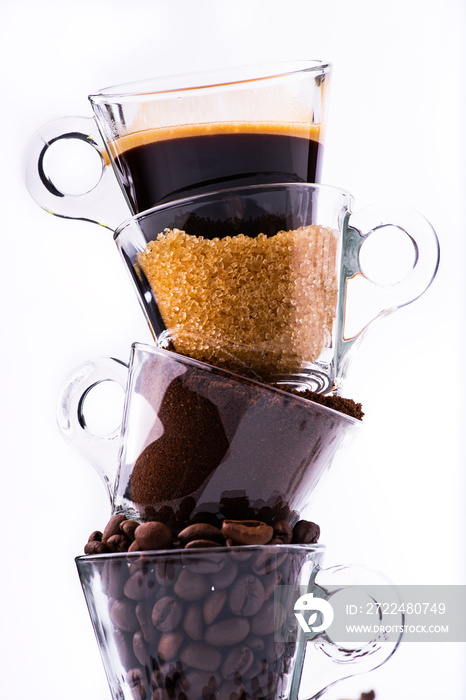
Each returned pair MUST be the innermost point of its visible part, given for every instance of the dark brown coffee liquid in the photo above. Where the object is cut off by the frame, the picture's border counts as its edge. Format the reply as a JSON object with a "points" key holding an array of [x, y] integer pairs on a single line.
{"points": [[162, 165]]}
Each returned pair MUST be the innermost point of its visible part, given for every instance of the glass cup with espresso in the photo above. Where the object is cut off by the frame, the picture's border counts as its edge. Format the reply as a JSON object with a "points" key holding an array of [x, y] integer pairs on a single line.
{"points": [[172, 137]]}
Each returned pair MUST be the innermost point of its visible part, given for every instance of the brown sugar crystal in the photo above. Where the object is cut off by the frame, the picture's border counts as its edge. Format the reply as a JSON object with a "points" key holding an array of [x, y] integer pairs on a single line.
{"points": [[265, 303]]}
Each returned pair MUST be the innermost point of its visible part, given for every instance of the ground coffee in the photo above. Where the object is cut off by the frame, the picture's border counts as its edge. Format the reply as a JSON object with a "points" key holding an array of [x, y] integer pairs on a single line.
{"points": [[232, 447]]}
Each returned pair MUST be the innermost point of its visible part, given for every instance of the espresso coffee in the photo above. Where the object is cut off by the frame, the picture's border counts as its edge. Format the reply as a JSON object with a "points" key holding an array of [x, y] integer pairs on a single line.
{"points": [[160, 165]]}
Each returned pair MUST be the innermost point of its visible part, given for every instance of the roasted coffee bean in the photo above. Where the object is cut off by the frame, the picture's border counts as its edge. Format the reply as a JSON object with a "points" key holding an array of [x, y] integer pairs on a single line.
{"points": [[306, 532], [96, 547], [237, 662], [227, 632], [225, 577], [202, 565], [153, 535], [113, 526], [213, 606], [200, 544], [169, 645], [190, 585], [192, 622], [283, 531], [118, 543], [167, 613], [144, 615], [246, 595], [265, 562], [140, 585], [123, 615], [128, 527], [270, 618], [95, 536], [201, 531], [247, 531], [200, 656]]}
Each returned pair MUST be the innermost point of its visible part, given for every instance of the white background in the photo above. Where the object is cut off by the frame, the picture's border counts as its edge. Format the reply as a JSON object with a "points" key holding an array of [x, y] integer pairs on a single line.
{"points": [[394, 501]]}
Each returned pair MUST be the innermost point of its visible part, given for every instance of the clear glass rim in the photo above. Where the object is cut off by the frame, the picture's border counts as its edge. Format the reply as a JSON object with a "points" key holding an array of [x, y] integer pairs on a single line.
{"points": [[210, 78], [192, 552], [230, 192], [145, 348]]}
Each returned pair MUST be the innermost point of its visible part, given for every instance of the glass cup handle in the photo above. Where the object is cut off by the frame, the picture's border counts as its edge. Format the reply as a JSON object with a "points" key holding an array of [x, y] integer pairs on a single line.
{"points": [[364, 299], [332, 661], [102, 451], [102, 202]]}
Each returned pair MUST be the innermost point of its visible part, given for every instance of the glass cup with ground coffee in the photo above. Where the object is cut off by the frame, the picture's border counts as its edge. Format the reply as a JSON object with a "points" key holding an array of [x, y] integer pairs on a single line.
{"points": [[173, 136], [268, 280], [196, 439], [219, 623]]}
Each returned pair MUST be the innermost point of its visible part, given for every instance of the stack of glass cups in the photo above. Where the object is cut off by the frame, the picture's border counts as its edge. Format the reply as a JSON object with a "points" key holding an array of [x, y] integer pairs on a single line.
{"points": [[249, 276]]}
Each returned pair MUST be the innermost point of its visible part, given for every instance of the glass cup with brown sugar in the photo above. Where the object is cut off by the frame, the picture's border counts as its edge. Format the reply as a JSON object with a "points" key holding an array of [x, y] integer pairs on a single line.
{"points": [[267, 280]]}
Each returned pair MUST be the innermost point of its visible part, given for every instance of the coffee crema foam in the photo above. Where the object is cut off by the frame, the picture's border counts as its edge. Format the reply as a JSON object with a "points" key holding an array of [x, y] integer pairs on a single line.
{"points": [[142, 137], [264, 304]]}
